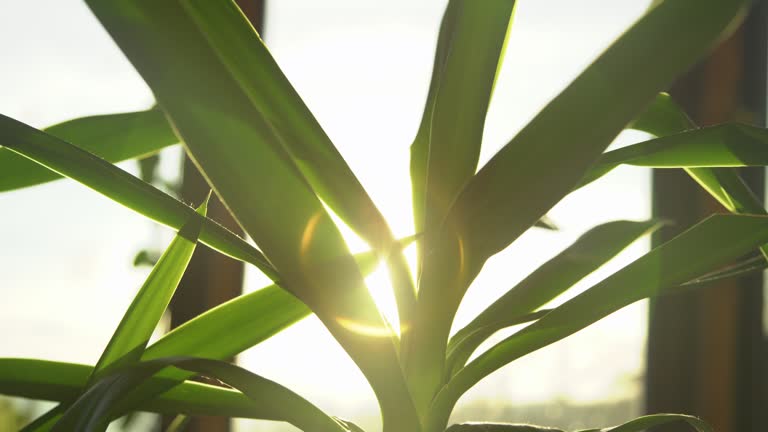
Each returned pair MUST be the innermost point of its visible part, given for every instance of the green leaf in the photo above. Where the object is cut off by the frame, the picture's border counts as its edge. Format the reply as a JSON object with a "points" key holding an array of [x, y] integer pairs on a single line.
{"points": [[499, 427], [121, 187], [178, 424], [46, 421], [91, 411], [140, 320], [64, 382], [662, 117], [726, 145], [723, 146], [700, 152], [256, 316], [112, 137], [549, 156], [233, 326], [643, 423], [236, 149], [714, 242], [446, 149], [465, 342], [245, 57], [588, 253], [462, 345], [744, 267]]}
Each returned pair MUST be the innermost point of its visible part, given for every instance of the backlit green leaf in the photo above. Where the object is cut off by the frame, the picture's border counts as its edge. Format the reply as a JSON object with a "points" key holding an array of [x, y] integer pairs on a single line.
{"points": [[64, 382], [112, 137], [121, 187], [712, 243], [549, 156], [46, 421], [91, 411], [644, 423], [140, 320], [237, 149], [593, 249], [499, 427], [701, 152], [446, 149], [727, 145], [244, 55], [256, 316], [464, 343]]}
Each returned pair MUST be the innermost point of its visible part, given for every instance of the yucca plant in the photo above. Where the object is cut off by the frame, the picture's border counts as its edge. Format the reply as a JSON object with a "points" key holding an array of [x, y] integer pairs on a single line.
{"points": [[221, 94]]}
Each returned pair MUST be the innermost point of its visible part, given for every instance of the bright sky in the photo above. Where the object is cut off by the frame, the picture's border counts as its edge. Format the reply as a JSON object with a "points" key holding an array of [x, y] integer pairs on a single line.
{"points": [[363, 68]]}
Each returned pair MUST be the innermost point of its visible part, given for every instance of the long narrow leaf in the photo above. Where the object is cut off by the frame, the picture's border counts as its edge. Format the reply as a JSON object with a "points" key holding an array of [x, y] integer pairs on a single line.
{"points": [[446, 149], [643, 423], [235, 147], [701, 152], [46, 421], [64, 382], [709, 244], [462, 345], [140, 320], [499, 427], [90, 413], [509, 193], [593, 249], [244, 55], [232, 327], [727, 145], [121, 187], [112, 137], [256, 317]]}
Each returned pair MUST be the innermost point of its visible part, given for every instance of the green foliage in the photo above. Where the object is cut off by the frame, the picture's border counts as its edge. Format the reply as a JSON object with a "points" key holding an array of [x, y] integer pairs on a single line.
{"points": [[258, 145]]}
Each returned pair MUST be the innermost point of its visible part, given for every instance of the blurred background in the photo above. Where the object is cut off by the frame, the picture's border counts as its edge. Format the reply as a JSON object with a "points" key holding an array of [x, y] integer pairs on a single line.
{"points": [[69, 267]]}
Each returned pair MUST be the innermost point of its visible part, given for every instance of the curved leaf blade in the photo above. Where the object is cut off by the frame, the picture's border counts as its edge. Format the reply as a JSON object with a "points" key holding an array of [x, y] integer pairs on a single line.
{"points": [[588, 253], [140, 320], [664, 117], [256, 316], [64, 382], [46, 421], [462, 345], [123, 188], [726, 145], [499, 427], [446, 149], [733, 145], [565, 139], [643, 423], [714, 242], [243, 54], [233, 145], [91, 411], [112, 137]]}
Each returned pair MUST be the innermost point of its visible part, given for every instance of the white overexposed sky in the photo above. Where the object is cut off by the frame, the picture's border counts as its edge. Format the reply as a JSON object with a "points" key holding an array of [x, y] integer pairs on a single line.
{"points": [[363, 67]]}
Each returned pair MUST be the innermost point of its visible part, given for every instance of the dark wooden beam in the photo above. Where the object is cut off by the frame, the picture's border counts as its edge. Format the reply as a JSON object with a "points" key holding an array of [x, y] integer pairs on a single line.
{"points": [[706, 351]]}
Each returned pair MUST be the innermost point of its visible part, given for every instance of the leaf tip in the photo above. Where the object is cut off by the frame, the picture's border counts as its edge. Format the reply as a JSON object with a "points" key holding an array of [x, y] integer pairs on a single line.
{"points": [[203, 208]]}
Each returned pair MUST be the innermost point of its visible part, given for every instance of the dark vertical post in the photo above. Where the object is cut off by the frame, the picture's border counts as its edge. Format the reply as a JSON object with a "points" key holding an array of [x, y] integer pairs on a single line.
{"points": [[752, 375], [211, 278], [705, 354]]}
